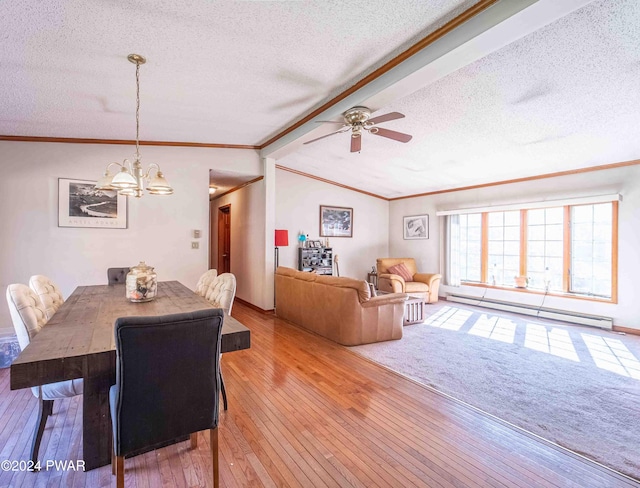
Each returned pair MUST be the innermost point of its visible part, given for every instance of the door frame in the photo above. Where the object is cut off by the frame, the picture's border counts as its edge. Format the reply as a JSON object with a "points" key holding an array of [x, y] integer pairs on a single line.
{"points": [[224, 233]]}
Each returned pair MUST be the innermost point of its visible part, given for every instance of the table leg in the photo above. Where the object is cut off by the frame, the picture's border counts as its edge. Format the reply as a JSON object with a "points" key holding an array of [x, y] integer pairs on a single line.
{"points": [[99, 375]]}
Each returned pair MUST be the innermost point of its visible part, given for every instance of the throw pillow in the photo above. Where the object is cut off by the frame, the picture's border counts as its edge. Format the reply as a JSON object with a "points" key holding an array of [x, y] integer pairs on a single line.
{"points": [[401, 270]]}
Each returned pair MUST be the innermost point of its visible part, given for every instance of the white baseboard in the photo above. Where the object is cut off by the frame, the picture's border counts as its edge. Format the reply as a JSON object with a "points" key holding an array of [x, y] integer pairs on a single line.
{"points": [[546, 313]]}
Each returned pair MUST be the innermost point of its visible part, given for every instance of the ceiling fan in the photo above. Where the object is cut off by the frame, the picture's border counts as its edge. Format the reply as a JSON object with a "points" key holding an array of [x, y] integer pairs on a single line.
{"points": [[357, 120]]}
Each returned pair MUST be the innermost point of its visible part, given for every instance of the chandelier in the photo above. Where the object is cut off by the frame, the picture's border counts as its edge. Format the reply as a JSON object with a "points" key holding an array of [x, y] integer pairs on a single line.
{"points": [[130, 179]]}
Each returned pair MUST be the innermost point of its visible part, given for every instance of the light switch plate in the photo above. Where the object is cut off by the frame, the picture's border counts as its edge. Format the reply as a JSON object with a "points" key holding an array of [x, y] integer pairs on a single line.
{"points": [[196, 234]]}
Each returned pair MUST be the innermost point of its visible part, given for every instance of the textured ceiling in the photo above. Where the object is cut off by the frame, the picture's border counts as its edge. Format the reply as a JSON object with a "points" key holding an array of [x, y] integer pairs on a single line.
{"points": [[565, 97], [230, 72], [561, 98]]}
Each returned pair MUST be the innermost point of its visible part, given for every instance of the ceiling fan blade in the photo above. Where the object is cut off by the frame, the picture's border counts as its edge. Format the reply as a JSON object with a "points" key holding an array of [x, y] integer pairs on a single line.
{"points": [[344, 129], [392, 134], [356, 144], [385, 117]]}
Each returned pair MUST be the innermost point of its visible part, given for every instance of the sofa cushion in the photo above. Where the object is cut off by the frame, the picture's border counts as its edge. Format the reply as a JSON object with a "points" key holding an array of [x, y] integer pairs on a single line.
{"points": [[402, 271], [360, 286]]}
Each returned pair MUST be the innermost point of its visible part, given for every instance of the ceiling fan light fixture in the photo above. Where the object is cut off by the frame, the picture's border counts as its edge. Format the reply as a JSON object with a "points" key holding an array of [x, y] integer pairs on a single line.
{"points": [[357, 119]]}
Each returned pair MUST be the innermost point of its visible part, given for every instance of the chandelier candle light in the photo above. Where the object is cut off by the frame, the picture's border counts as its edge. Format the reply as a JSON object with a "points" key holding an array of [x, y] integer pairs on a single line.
{"points": [[130, 179]]}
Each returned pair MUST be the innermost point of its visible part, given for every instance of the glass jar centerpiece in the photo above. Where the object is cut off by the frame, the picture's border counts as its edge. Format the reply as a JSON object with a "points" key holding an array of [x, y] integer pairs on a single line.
{"points": [[142, 283]]}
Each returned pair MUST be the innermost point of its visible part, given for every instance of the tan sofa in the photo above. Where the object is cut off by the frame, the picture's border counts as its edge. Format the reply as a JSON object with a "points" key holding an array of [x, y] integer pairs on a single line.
{"points": [[426, 284], [340, 309]]}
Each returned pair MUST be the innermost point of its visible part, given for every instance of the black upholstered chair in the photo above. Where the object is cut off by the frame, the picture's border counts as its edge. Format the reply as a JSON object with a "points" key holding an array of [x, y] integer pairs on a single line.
{"points": [[167, 383], [117, 275]]}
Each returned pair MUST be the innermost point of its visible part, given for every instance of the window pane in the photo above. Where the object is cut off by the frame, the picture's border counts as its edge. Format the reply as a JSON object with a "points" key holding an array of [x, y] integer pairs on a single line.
{"points": [[545, 237], [554, 248], [582, 214], [591, 249], [496, 233], [535, 248], [495, 247], [496, 219], [602, 213], [554, 215], [470, 246], [536, 216], [504, 247], [536, 232], [512, 218], [512, 233], [554, 232]]}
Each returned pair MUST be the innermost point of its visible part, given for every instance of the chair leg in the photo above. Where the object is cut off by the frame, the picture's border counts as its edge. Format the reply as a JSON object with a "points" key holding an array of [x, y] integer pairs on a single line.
{"points": [[113, 461], [214, 457], [224, 391], [194, 440], [119, 471], [44, 410]]}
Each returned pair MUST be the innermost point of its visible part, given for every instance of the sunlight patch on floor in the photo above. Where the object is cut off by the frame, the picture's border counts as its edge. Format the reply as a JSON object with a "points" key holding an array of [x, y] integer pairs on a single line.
{"points": [[449, 318], [497, 328], [612, 355], [553, 341]]}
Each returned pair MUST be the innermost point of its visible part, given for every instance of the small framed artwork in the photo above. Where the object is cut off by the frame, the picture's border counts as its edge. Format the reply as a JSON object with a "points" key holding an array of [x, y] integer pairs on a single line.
{"points": [[81, 205], [416, 227], [336, 221]]}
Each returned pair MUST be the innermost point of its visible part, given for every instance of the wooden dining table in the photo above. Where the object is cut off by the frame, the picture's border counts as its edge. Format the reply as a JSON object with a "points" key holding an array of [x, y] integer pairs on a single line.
{"points": [[79, 342]]}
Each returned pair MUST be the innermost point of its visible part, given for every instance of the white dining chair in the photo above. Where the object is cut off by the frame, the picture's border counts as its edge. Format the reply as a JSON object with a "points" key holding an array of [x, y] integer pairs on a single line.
{"points": [[220, 293], [205, 281], [48, 292], [29, 317]]}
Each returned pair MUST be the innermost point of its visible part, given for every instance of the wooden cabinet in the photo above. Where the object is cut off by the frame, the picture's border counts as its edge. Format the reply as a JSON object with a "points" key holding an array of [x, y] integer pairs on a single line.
{"points": [[316, 259]]}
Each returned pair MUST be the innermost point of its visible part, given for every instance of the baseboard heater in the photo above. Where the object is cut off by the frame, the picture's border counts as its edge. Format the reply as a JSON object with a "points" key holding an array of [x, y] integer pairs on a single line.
{"points": [[546, 313]]}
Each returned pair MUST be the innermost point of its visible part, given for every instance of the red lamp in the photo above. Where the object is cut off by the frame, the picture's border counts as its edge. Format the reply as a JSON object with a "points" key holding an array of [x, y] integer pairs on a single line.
{"points": [[281, 240]]}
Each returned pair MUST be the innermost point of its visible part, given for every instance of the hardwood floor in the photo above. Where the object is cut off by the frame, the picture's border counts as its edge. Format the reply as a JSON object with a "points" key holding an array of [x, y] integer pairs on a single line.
{"points": [[305, 412]]}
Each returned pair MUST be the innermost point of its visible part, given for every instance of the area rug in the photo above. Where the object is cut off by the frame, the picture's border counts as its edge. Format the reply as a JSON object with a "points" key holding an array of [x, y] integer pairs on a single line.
{"points": [[576, 386]]}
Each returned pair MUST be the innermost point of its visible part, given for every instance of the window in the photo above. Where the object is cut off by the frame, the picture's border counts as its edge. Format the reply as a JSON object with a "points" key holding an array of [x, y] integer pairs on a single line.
{"points": [[567, 250], [504, 247], [545, 248], [470, 247], [591, 249]]}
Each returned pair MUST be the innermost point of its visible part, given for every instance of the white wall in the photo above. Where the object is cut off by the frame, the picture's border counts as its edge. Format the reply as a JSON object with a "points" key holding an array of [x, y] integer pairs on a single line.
{"points": [[298, 200], [247, 241], [160, 228], [625, 181]]}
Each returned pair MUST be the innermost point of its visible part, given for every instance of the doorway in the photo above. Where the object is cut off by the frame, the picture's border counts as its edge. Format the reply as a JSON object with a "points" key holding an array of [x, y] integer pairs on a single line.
{"points": [[224, 239]]}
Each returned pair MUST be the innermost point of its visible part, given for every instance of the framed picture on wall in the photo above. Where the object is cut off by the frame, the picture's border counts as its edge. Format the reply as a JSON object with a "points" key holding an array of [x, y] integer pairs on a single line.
{"points": [[416, 227], [81, 205], [336, 221]]}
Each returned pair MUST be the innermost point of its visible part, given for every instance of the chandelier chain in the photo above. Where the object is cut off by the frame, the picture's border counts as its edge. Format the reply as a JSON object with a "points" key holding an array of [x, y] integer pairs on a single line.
{"points": [[137, 110], [130, 179]]}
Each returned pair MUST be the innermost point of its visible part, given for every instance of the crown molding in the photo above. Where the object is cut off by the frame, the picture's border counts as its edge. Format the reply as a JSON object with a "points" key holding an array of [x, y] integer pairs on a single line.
{"points": [[601, 167], [235, 188], [330, 182], [76, 140], [528, 178]]}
